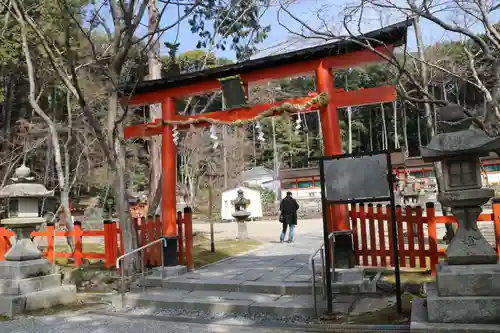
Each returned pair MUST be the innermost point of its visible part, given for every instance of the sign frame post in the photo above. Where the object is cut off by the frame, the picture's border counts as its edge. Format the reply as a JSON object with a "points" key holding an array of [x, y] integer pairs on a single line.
{"points": [[353, 177]]}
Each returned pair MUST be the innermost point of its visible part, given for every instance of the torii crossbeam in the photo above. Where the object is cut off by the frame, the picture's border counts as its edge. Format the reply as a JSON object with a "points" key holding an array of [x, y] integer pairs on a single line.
{"points": [[320, 61]]}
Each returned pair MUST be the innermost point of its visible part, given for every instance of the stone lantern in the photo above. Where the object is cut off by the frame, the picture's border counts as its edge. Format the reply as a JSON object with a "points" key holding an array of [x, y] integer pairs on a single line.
{"points": [[27, 282], [466, 295], [241, 214], [23, 213], [459, 148]]}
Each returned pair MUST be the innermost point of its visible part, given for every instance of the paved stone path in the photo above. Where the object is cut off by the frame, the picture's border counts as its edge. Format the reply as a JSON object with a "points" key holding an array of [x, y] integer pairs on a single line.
{"points": [[275, 262]]}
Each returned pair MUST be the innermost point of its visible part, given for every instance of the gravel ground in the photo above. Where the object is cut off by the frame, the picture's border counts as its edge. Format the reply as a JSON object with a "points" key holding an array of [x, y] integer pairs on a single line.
{"points": [[94, 323], [241, 318]]}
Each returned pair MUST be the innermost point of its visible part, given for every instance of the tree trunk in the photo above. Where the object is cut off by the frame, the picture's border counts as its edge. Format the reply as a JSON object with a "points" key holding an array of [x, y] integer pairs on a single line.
{"points": [[385, 143], [419, 131], [224, 156], [118, 164], [308, 149], [254, 147], [210, 217], [424, 76], [154, 65], [405, 129], [54, 137], [371, 129], [396, 137], [277, 190], [349, 121]]}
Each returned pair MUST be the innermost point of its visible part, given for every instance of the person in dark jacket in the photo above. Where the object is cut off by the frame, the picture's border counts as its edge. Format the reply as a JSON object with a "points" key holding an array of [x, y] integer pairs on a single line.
{"points": [[288, 216]]}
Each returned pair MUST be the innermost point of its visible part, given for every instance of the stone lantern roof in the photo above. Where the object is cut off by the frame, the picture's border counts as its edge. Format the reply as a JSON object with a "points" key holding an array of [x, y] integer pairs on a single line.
{"points": [[24, 186], [457, 139]]}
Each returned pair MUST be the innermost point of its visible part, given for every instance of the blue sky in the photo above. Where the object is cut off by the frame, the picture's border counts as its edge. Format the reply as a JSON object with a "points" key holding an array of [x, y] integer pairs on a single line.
{"points": [[307, 11]]}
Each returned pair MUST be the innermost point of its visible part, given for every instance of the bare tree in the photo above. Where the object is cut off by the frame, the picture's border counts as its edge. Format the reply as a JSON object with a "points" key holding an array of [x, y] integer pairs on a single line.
{"points": [[486, 46], [54, 136], [155, 66], [418, 77]]}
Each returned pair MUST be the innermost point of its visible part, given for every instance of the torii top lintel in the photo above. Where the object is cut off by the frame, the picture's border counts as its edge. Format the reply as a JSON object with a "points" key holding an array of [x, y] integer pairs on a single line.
{"points": [[336, 55]]}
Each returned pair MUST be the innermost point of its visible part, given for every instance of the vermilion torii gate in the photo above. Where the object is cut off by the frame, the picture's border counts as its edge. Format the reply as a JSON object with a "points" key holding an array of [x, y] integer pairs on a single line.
{"points": [[320, 60]]}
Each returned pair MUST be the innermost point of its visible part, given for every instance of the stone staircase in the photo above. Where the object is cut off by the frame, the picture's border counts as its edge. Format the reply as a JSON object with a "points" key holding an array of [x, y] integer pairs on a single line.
{"points": [[221, 294], [281, 290]]}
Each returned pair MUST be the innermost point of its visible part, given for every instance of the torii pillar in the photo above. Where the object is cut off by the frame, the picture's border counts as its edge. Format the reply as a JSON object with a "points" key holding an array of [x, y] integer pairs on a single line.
{"points": [[169, 184], [338, 215]]}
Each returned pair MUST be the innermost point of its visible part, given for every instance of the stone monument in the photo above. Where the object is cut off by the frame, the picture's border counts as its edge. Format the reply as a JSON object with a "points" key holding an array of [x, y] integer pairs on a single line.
{"points": [[466, 294], [241, 214], [409, 192], [27, 281]]}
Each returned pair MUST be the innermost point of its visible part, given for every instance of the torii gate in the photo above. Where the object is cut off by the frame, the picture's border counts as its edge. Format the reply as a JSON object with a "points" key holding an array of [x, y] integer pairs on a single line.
{"points": [[320, 60]]}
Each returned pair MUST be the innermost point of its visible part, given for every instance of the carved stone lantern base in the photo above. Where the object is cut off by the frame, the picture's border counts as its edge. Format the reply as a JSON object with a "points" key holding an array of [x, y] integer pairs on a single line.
{"points": [[23, 249], [469, 246]]}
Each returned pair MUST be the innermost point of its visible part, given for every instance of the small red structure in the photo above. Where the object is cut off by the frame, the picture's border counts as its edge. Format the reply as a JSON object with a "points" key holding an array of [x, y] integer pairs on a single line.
{"points": [[320, 60]]}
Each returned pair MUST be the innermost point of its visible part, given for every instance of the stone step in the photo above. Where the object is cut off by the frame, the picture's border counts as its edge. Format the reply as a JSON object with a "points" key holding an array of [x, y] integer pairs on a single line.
{"points": [[24, 286], [232, 302], [364, 286], [461, 309], [420, 323], [226, 285], [354, 286], [14, 304], [279, 288]]}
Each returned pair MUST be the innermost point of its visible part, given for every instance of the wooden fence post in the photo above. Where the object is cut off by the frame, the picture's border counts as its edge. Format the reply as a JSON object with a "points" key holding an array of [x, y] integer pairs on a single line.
{"points": [[51, 249], [373, 242], [410, 228], [420, 237], [432, 232], [362, 229], [401, 236], [381, 235], [180, 238], [188, 225], [496, 221], [388, 214], [78, 243], [355, 232]]}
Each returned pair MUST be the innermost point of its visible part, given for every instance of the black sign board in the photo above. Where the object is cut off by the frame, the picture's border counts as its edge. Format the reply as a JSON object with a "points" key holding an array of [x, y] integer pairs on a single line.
{"points": [[357, 178]]}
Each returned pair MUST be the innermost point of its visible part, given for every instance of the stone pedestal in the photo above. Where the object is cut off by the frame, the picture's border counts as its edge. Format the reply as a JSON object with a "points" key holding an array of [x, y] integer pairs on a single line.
{"points": [[242, 230], [29, 285], [241, 216], [465, 298]]}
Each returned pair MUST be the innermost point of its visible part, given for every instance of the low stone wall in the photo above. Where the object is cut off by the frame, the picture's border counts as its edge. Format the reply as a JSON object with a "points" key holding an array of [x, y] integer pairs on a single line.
{"points": [[309, 208]]}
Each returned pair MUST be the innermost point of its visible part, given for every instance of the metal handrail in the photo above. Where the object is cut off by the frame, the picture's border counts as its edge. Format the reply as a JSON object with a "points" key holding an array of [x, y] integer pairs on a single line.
{"points": [[313, 268], [140, 249], [321, 249]]}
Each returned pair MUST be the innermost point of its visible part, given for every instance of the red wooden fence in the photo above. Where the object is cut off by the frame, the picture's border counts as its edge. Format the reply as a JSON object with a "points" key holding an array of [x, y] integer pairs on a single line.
{"points": [[372, 236], [148, 230]]}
